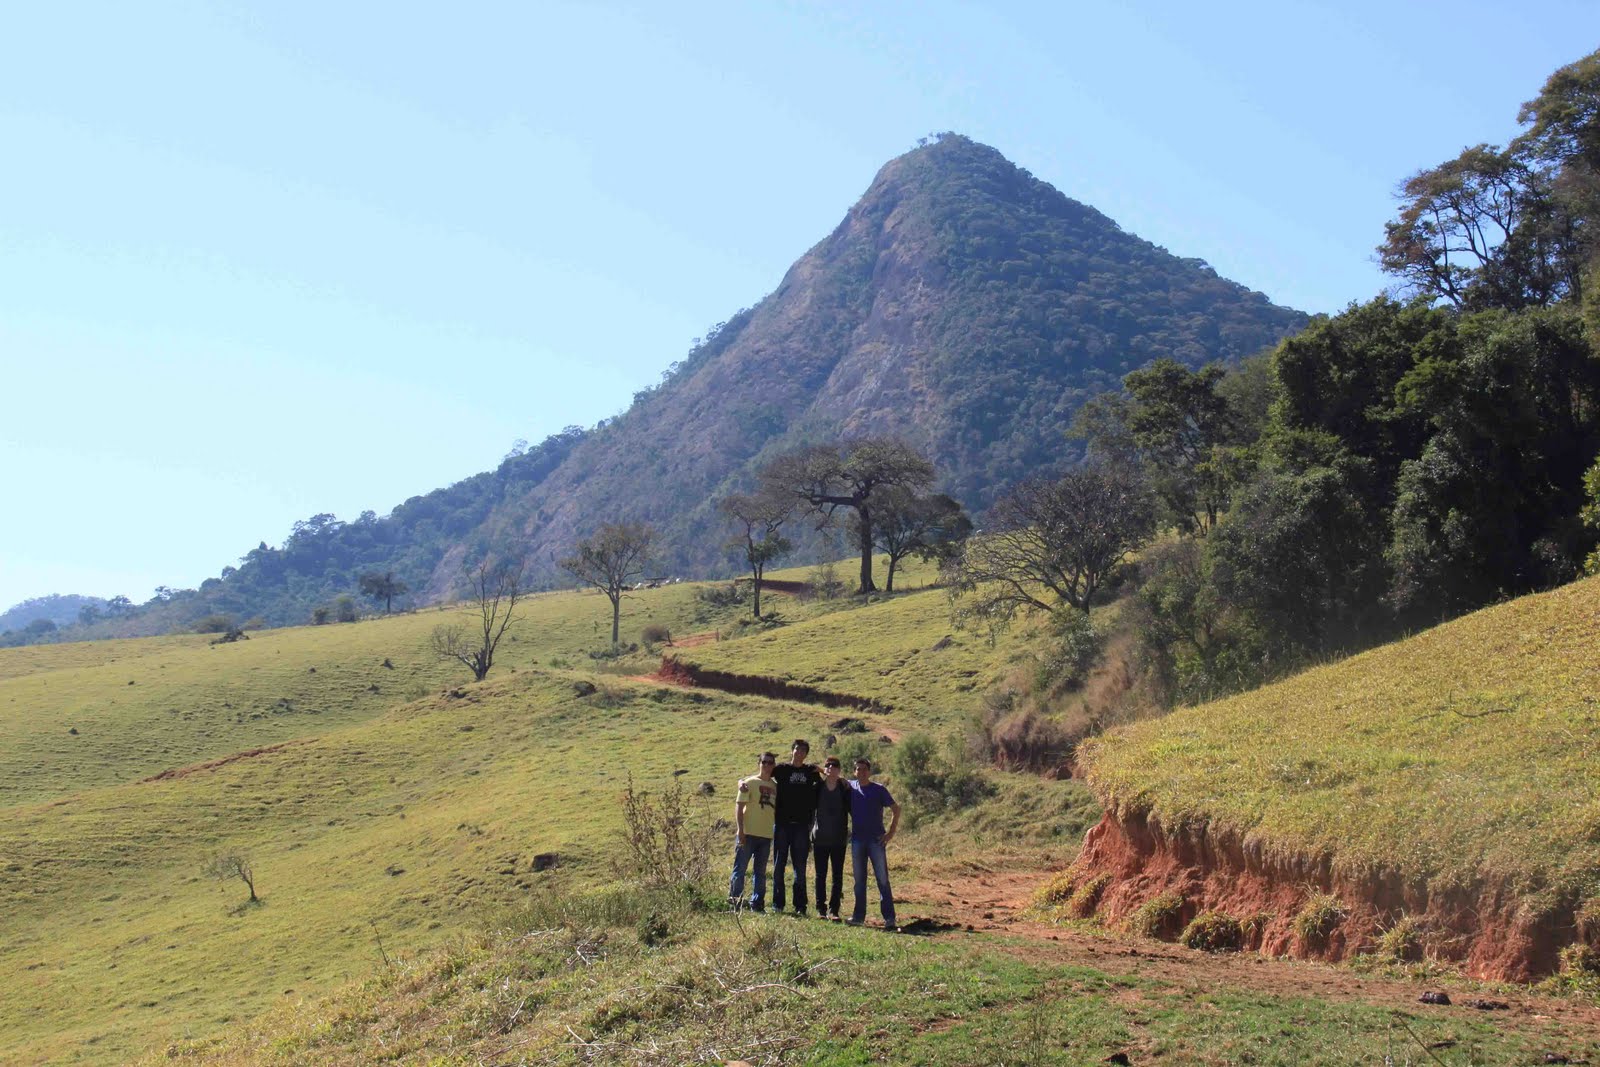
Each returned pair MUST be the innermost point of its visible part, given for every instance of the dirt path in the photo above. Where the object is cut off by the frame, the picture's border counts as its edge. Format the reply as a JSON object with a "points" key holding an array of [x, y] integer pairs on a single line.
{"points": [[996, 901]]}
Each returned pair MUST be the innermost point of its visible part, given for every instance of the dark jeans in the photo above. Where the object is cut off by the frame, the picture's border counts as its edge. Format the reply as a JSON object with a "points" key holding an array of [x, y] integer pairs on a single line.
{"points": [[824, 857], [755, 848], [860, 853], [791, 842]]}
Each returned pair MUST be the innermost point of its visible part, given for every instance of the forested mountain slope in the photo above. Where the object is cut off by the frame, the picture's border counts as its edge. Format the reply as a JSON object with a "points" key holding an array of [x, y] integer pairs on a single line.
{"points": [[961, 303]]}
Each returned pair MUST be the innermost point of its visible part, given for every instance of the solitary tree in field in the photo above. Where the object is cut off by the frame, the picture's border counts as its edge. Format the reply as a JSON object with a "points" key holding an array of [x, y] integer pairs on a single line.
{"points": [[852, 475], [495, 588], [384, 587], [612, 560], [757, 519], [907, 524], [1055, 543], [226, 866]]}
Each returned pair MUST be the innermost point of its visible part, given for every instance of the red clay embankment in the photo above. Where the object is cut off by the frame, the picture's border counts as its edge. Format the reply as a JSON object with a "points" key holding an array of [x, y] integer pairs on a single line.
{"points": [[677, 672], [1487, 929]]}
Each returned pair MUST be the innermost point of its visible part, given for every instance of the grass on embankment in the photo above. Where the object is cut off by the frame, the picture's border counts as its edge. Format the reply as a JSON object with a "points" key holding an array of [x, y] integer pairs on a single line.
{"points": [[627, 977], [1469, 750]]}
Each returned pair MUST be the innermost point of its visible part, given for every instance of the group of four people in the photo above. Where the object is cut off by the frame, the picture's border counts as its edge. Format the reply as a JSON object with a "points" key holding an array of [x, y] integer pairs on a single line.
{"points": [[788, 811]]}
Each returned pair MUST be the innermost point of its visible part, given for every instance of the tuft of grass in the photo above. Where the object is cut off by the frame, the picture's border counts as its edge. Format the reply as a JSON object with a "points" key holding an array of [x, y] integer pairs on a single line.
{"points": [[1403, 940], [1057, 891], [1212, 931], [1086, 898], [1160, 917], [1317, 919]]}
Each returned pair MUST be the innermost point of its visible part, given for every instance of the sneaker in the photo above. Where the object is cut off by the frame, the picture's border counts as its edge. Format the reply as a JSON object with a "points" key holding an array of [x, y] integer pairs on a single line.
{"points": [[853, 921], [890, 928]]}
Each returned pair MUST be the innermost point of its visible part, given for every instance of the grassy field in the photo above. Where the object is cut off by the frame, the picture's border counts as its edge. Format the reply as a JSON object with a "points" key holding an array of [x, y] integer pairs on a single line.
{"points": [[392, 806], [633, 979], [390, 826], [1467, 750], [883, 650]]}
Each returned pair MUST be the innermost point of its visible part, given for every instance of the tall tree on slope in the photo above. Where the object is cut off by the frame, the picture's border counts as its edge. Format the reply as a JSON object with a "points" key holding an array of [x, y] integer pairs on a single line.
{"points": [[851, 475]]}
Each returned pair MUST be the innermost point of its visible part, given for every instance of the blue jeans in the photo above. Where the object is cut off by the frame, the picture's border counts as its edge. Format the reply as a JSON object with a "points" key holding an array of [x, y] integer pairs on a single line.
{"points": [[860, 852], [790, 843], [755, 848]]}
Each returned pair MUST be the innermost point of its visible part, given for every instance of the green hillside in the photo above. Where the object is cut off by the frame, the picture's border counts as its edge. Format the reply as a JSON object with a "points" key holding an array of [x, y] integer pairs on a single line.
{"points": [[1466, 752], [393, 836]]}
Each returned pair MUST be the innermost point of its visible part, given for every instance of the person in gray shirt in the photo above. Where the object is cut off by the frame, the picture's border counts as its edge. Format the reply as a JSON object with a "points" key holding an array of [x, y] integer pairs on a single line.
{"points": [[830, 836]]}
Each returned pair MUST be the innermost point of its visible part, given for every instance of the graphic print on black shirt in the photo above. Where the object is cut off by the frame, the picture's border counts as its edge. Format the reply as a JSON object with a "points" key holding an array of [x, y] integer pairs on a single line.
{"points": [[797, 793]]}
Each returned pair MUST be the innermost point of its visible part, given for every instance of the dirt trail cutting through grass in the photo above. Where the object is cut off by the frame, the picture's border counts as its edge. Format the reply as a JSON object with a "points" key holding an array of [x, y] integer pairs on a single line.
{"points": [[997, 902]]}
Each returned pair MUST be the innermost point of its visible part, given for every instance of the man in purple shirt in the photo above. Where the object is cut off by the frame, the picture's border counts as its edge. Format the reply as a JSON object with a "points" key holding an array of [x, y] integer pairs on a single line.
{"points": [[869, 841]]}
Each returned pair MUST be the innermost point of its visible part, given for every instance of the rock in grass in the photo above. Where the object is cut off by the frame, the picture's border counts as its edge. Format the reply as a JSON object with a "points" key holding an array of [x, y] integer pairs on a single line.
{"points": [[1441, 999], [546, 861]]}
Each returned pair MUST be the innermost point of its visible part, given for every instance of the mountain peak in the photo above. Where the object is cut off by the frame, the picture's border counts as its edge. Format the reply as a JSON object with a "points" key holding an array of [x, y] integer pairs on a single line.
{"points": [[961, 303]]}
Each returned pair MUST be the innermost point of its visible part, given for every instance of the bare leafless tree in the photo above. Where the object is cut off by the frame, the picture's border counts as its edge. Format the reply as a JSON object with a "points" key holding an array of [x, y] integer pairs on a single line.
{"points": [[612, 560], [496, 588], [1056, 542], [231, 864], [758, 518]]}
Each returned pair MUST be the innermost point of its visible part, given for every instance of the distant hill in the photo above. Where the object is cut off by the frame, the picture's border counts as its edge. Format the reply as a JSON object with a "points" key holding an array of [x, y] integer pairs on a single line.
{"points": [[61, 609], [961, 303]]}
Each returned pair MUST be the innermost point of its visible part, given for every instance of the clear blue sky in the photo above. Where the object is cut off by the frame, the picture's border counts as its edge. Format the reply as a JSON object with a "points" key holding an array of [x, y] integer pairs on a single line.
{"points": [[261, 263]]}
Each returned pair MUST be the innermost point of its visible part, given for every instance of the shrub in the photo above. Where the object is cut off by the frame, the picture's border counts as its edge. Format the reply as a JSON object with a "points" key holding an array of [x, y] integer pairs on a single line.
{"points": [[1159, 917], [655, 634], [214, 624], [938, 780], [1318, 918], [1086, 898], [319, 616], [1072, 650], [666, 842], [823, 582], [1403, 940], [720, 595], [1212, 931], [344, 609]]}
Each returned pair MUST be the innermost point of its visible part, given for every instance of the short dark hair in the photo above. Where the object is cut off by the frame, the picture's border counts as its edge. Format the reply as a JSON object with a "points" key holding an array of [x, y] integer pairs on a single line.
{"points": [[765, 756], [831, 760], [801, 742], [862, 759]]}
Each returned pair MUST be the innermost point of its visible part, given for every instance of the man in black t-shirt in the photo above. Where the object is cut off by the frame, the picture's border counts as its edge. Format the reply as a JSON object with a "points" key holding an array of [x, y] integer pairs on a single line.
{"points": [[791, 837]]}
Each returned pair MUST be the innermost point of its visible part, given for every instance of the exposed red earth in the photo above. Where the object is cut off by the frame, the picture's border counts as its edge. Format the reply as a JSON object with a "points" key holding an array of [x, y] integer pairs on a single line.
{"points": [[1482, 928]]}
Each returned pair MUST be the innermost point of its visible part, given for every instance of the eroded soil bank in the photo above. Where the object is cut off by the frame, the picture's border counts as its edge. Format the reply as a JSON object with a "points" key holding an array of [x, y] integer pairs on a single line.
{"points": [[677, 672], [1131, 859]]}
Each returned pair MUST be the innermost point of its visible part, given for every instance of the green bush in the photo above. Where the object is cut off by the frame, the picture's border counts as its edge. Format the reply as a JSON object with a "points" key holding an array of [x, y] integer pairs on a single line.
{"points": [[937, 779], [655, 634], [1212, 931], [1073, 648], [214, 624]]}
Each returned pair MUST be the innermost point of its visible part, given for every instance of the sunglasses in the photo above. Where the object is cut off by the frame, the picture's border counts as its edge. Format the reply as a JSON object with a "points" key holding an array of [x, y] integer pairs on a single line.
{"points": [[769, 761]]}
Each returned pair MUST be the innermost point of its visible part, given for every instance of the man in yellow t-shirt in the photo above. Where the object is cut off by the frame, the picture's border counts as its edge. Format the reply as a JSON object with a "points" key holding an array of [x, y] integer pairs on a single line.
{"points": [[753, 816]]}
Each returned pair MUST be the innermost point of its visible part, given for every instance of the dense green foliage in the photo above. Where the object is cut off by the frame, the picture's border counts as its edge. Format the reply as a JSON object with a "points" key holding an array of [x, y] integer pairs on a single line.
{"points": [[1389, 466]]}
